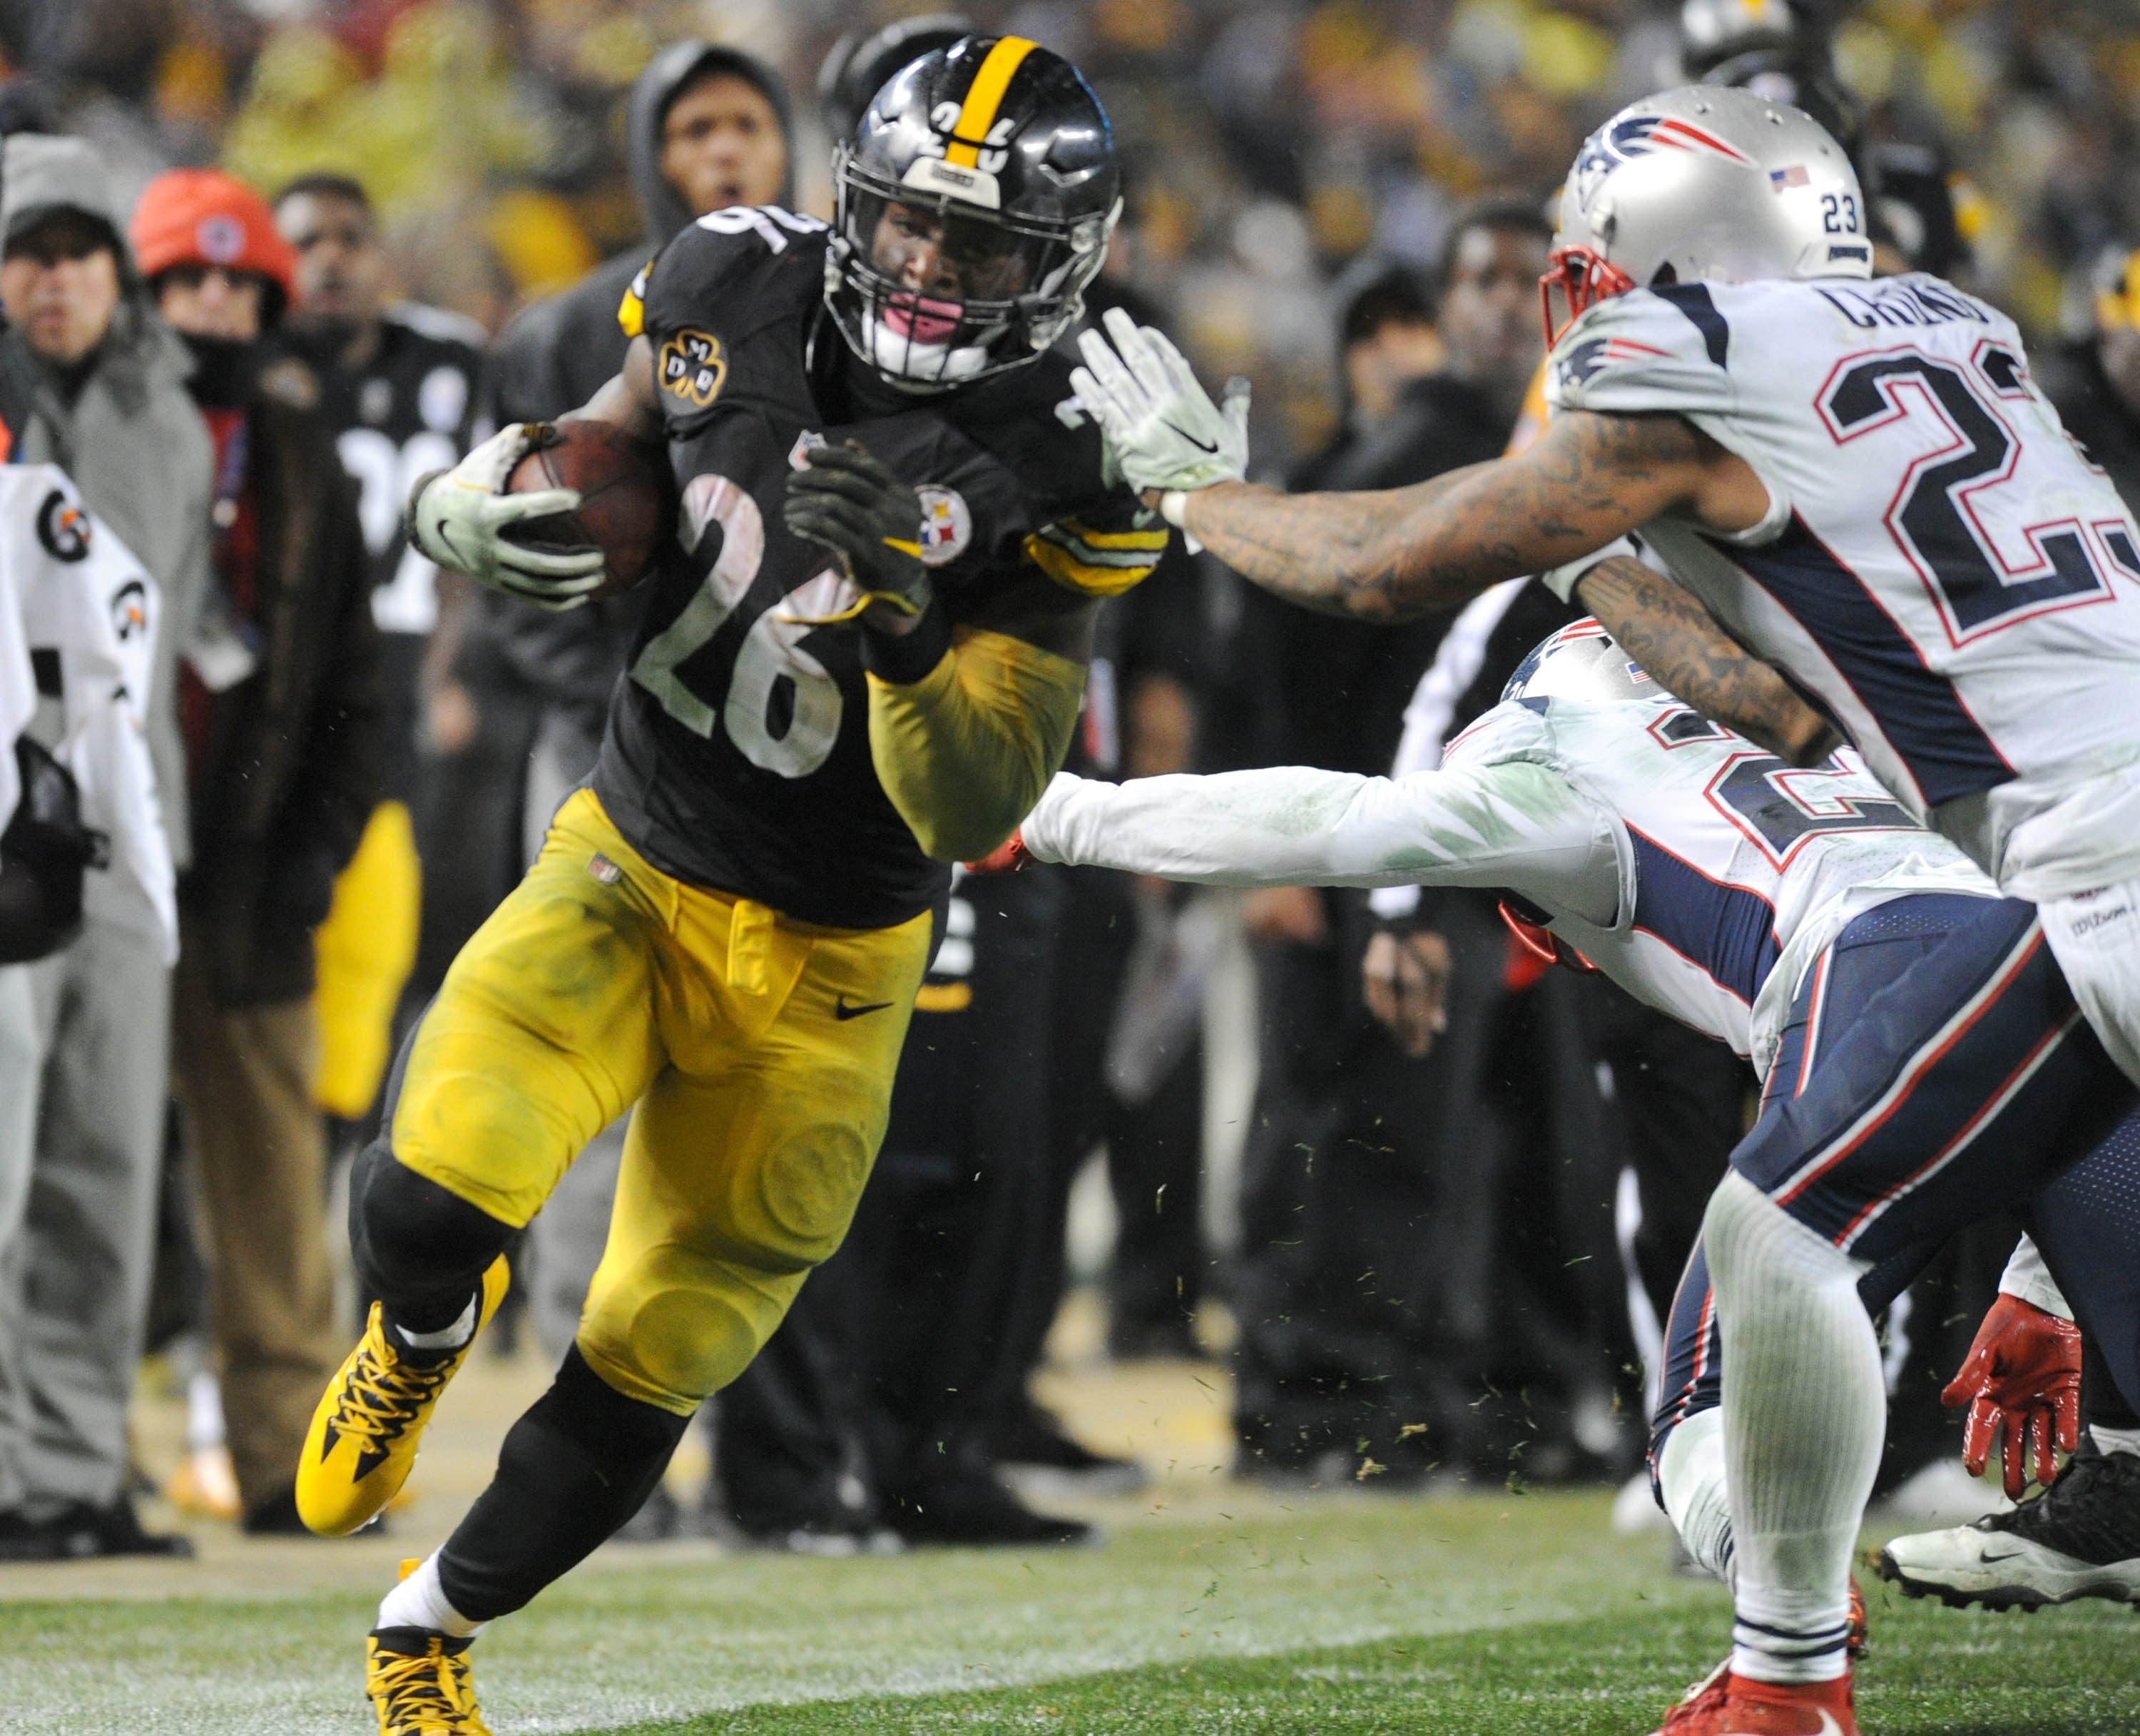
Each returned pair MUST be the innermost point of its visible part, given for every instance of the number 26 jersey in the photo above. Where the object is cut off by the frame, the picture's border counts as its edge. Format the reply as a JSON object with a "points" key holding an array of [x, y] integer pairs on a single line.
{"points": [[1941, 566], [738, 755]]}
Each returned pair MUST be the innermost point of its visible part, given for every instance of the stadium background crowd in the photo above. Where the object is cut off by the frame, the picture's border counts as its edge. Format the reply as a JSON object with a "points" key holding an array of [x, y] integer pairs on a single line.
{"points": [[1298, 174], [1268, 143]]}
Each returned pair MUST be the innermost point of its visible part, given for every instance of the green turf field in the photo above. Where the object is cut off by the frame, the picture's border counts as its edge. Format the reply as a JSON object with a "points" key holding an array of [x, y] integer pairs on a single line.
{"points": [[1474, 1616]]}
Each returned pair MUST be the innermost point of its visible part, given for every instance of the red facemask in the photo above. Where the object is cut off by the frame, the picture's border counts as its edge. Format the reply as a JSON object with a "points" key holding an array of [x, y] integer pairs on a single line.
{"points": [[1584, 279]]}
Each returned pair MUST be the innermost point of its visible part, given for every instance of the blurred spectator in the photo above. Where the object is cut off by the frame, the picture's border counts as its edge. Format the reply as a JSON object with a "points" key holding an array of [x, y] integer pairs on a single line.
{"points": [[398, 384], [90, 381], [2094, 380], [925, 1288], [1342, 1171], [863, 61], [281, 709]]}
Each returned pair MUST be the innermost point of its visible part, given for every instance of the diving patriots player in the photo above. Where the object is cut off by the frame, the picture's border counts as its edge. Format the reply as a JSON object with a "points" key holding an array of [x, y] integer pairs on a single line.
{"points": [[863, 658], [1863, 484], [1765, 905]]}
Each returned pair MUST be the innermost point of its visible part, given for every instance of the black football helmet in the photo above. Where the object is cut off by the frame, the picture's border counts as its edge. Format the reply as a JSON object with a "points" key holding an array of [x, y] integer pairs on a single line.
{"points": [[973, 204]]}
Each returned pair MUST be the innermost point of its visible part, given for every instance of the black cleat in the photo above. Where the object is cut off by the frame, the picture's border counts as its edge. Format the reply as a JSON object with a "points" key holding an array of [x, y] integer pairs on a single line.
{"points": [[80, 1532], [968, 1508], [1046, 1457], [2079, 1538]]}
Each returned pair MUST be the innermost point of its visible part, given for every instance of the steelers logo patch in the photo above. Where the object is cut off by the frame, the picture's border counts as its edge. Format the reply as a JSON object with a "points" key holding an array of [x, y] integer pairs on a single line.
{"points": [[947, 527], [693, 367]]}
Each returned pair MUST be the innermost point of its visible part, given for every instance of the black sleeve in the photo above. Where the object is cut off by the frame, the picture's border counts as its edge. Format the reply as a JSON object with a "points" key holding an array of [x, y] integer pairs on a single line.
{"points": [[520, 377], [340, 779]]}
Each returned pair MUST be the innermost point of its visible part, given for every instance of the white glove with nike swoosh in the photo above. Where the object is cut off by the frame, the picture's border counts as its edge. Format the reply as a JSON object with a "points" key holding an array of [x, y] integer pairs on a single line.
{"points": [[460, 517], [1162, 428]]}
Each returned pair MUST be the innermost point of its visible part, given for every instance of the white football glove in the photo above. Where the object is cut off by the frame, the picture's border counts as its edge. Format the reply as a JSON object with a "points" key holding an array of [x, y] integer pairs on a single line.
{"points": [[458, 518], [1162, 430]]}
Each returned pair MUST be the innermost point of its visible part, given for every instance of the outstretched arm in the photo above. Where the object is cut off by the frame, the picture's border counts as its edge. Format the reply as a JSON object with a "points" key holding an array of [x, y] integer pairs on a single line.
{"points": [[1515, 825], [1402, 552], [1395, 554], [1682, 648]]}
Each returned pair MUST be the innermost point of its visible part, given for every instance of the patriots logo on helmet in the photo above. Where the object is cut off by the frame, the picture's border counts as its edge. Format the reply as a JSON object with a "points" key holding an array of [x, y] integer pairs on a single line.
{"points": [[1641, 136], [1589, 627]]}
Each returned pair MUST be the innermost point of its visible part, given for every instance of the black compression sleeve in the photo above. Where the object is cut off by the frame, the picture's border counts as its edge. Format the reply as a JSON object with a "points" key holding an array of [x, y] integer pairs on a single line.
{"points": [[576, 1466]]}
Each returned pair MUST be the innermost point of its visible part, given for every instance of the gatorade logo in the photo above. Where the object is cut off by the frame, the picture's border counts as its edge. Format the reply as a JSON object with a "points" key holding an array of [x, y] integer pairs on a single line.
{"points": [[63, 528]]}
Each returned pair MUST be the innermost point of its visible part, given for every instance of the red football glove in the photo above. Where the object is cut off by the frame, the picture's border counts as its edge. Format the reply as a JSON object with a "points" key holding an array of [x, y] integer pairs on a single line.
{"points": [[1007, 857], [2022, 1376]]}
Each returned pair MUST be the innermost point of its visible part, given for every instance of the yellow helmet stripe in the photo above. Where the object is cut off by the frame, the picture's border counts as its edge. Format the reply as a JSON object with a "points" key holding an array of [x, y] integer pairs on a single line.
{"points": [[983, 97]]}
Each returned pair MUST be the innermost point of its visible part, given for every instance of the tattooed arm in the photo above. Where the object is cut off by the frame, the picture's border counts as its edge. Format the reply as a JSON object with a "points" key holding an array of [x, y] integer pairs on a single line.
{"points": [[1404, 552], [1682, 648]]}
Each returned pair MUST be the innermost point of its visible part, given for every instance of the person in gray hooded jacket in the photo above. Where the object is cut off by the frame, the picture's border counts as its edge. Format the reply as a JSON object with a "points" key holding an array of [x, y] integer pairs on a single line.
{"points": [[708, 128], [90, 381]]}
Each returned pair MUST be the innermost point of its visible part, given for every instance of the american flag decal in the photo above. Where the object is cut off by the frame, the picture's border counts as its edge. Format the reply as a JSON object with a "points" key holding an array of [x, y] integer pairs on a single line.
{"points": [[1795, 176]]}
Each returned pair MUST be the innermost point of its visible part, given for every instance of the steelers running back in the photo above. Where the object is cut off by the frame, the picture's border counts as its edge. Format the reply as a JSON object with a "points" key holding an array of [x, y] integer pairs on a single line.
{"points": [[862, 661]]}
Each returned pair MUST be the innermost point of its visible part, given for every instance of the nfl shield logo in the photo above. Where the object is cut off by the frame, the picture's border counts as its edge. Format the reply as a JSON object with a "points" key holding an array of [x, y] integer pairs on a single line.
{"points": [[947, 527]]}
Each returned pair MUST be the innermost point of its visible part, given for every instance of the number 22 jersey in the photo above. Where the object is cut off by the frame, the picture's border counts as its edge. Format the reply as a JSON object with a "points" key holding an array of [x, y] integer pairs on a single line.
{"points": [[737, 753], [1941, 566]]}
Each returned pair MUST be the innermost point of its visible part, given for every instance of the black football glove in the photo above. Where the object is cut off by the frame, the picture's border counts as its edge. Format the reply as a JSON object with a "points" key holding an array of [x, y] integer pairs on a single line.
{"points": [[847, 501]]}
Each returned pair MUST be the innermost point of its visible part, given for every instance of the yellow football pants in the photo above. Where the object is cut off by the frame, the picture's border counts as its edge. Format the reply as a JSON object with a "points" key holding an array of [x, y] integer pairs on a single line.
{"points": [[760, 1052], [363, 953]]}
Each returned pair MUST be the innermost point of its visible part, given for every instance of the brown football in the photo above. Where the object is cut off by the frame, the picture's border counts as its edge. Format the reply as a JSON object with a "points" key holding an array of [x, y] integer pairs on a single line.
{"points": [[626, 498]]}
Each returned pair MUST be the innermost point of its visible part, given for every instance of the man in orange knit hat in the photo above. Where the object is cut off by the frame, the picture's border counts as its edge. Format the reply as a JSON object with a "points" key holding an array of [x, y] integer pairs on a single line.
{"points": [[279, 704]]}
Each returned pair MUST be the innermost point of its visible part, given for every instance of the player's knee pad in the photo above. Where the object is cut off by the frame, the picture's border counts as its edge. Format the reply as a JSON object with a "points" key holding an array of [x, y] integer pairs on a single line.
{"points": [[675, 1324], [413, 1241]]}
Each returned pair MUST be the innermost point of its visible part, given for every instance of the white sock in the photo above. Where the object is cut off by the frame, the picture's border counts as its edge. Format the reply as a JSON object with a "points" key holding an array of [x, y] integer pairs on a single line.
{"points": [[1697, 1492], [204, 1423], [421, 1601], [1804, 1409], [2115, 1440], [447, 1338]]}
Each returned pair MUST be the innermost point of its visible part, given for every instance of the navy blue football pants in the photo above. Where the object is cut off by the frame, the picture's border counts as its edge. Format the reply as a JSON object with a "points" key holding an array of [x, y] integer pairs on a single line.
{"points": [[1935, 1071]]}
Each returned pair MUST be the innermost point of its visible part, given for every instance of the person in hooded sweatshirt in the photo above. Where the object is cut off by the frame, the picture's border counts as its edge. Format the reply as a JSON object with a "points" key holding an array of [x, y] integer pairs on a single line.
{"points": [[707, 128], [90, 381], [279, 705]]}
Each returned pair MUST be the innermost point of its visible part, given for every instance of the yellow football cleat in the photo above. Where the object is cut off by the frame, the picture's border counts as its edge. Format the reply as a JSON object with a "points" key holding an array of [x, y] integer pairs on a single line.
{"points": [[370, 1419], [418, 1684]]}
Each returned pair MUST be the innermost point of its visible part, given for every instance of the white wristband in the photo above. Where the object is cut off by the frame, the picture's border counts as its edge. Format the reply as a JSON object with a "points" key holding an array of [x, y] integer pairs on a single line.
{"points": [[1172, 504]]}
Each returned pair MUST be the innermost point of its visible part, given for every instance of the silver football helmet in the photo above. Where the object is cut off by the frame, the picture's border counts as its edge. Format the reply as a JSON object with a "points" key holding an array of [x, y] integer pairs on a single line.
{"points": [[1705, 182], [1582, 662]]}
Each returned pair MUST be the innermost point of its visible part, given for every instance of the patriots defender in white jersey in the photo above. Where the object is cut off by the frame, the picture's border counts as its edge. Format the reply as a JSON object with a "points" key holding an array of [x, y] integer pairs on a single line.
{"points": [[1863, 483], [1768, 906], [1700, 874]]}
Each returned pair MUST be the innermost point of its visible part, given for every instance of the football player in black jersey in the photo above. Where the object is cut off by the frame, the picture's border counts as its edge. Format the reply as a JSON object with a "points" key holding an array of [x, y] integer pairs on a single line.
{"points": [[862, 660], [398, 383]]}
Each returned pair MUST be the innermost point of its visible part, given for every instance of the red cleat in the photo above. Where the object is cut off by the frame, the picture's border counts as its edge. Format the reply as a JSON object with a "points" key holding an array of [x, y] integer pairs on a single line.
{"points": [[1737, 1705]]}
